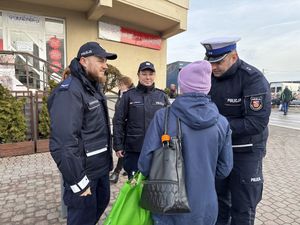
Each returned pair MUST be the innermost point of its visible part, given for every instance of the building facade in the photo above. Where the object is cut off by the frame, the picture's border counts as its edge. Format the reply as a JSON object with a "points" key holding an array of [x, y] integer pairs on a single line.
{"points": [[173, 71], [137, 30]]}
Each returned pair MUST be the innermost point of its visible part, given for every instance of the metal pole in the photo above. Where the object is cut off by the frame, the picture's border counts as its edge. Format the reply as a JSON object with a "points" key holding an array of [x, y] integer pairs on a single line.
{"points": [[44, 77], [27, 74]]}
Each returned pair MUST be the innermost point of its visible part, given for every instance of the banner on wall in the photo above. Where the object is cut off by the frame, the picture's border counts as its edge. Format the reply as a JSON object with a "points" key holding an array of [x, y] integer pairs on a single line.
{"points": [[126, 35], [24, 20], [24, 46]]}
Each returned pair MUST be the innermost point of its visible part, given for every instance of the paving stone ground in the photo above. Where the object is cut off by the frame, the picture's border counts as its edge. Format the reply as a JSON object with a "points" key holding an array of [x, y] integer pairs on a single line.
{"points": [[30, 186]]}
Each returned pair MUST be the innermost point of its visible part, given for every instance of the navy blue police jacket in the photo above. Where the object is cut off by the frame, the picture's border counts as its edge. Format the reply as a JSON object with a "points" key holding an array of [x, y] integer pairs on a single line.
{"points": [[242, 95], [133, 116], [80, 140]]}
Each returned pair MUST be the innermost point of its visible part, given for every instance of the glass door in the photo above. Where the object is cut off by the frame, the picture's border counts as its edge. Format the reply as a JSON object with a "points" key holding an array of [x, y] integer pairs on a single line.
{"points": [[33, 42]]}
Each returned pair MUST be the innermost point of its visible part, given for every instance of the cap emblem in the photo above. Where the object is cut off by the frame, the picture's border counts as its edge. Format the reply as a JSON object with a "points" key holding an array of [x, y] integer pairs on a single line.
{"points": [[208, 46], [86, 52]]}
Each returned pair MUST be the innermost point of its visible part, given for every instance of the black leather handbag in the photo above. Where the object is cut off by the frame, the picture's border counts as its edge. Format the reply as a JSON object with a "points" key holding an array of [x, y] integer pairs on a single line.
{"points": [[164, 190]]}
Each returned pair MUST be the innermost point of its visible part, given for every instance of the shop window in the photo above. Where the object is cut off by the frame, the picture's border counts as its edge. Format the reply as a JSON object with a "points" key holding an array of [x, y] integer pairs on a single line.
{"points": [[55, 42]]}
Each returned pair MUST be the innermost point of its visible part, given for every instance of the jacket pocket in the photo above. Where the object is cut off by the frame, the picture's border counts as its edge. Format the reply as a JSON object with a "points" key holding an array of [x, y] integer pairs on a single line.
{"points": [[134, 143], [93, 104], [242, 145], [97, 156], [95, 147]]}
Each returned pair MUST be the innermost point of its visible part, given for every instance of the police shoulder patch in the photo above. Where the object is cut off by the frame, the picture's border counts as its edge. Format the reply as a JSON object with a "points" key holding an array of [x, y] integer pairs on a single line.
{"points": [[66, 83], [256, 103]]}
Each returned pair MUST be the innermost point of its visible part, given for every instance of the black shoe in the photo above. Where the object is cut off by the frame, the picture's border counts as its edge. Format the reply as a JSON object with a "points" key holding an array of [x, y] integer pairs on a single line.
{"points": [[114, 177]]}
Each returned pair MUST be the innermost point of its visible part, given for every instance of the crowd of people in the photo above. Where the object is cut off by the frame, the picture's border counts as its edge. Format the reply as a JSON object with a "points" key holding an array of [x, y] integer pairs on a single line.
{"points": [[223, 105]]}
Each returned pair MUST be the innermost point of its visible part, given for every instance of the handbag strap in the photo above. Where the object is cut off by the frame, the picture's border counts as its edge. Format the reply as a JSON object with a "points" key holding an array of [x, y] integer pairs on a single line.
{"points": [[166, 123], [179, 131], [166, 120]]}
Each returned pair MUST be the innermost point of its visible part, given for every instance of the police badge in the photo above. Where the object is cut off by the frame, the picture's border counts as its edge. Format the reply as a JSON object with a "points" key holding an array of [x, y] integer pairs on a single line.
{"points": [[256, 103]]}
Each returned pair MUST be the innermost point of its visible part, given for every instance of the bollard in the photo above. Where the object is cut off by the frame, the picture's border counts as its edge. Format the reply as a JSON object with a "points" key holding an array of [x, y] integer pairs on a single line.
{"points": [[63, 206]]}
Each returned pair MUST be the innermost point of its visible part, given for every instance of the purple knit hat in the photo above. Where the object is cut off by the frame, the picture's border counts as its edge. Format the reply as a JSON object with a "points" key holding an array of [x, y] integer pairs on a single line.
{"points": [[195, 77]]}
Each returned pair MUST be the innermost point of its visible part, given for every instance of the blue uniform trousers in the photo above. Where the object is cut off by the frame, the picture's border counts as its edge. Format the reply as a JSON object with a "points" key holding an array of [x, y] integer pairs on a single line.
{"points": [[87, 210], [130, 163], [240, 192]]}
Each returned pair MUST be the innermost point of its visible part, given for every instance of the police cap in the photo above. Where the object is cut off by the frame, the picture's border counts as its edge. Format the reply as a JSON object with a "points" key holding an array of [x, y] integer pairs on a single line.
{"points": [[218, 48], [146, 66], [94, 48]]}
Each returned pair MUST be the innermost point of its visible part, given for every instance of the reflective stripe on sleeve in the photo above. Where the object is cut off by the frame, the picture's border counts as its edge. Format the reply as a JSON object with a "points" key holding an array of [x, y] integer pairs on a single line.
{"points": [[75, 188], [81, 185], [96, 152], [242, 146]]}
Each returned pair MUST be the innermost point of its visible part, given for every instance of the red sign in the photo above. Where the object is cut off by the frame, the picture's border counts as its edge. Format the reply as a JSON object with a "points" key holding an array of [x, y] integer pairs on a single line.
{"points": [[125, 35], [140, 39], [55, 54], [54, 42], [55, 69]]}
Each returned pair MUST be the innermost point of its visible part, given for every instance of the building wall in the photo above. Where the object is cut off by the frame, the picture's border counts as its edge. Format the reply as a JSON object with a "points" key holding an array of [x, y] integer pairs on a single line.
{"points": [[80, 30]]}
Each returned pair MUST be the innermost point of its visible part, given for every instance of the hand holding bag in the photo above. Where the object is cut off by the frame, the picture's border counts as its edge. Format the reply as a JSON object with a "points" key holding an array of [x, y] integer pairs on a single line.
{"points": [[126, 209], [164, 191]]}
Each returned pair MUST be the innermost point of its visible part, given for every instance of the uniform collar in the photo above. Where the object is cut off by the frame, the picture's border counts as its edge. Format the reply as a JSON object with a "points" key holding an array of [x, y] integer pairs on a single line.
{"points": [[144, 88], [231, 71], [77, 71]]}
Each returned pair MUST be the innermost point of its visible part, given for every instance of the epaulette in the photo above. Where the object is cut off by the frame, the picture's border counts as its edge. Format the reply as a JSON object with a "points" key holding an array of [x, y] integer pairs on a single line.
{"points": [[131, 89], [66, 83], [157, 89], [249, 69]]}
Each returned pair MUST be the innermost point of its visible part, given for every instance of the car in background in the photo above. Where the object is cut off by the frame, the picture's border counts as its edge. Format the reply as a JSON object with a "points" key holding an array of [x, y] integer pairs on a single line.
{"points": [[275, 101], [295, 102]]}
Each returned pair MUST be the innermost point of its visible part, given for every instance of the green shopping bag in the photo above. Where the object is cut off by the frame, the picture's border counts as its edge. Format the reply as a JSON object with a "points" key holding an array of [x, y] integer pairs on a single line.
{"points": [[126, 209]]}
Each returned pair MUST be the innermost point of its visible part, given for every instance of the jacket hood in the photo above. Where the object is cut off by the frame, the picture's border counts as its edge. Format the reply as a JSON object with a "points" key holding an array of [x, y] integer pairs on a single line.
{"points": [[77, 71], [196, 110]]}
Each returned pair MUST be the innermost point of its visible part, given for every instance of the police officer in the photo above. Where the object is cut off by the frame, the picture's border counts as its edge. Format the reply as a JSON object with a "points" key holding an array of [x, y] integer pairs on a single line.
{"points": [[134, 113], [80, 141], [242, 95]]}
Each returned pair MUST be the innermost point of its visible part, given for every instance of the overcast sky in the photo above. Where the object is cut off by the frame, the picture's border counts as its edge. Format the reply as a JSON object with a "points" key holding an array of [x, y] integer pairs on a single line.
{"points": [[270, 32]]}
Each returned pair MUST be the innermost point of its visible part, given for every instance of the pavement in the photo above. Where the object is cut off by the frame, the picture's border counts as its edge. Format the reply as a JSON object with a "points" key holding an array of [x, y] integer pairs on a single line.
{"points": [[30, 186]]}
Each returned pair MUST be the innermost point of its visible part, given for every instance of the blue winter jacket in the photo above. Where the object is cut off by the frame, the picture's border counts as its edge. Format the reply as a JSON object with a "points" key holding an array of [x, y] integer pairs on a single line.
{"points": [[207, 153], [80, 141]]}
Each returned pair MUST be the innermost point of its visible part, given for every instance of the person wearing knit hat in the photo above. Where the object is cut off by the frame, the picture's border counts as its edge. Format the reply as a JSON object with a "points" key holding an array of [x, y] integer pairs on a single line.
{"points": [[195, 77], [206, 145]]}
